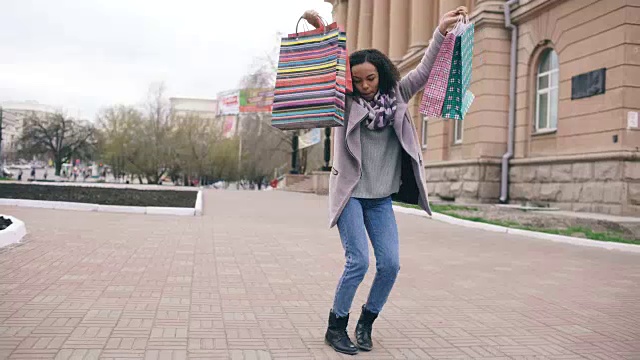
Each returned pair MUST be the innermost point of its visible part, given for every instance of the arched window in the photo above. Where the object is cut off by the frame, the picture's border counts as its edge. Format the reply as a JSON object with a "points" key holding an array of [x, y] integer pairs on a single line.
{"points": [[547, 92]]}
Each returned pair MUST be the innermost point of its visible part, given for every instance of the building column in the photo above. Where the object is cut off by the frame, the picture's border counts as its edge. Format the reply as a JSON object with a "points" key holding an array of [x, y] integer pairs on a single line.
{"points": [[380, 26], [340, 13], [421, 23], [448, 5], [398, 29], [353, 15], [365, 22]]}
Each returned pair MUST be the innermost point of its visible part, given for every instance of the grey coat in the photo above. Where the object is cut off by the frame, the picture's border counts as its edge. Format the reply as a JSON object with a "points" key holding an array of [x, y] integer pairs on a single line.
{"points": [[347, 164]]}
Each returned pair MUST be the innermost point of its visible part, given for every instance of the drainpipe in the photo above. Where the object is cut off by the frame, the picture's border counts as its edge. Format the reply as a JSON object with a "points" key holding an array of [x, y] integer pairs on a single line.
{"points": [[504, 183]]}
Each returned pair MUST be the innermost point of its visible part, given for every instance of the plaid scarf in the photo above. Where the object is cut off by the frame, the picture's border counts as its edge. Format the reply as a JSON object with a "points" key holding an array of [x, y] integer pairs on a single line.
{"points": [[382, 110]]}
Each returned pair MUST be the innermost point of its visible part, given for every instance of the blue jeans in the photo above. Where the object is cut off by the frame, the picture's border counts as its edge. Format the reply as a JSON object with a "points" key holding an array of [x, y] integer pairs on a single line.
{"points": [[375, 217]]}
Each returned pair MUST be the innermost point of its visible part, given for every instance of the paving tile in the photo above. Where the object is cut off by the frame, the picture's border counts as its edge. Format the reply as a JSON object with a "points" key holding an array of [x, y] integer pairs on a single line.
{"points": [[248, 282]]}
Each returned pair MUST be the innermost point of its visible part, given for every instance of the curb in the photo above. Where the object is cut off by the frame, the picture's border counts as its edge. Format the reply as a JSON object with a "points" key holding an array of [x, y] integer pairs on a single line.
{"points": [[121, 209], [14, 233], [151, 210], [532, 234], [63, 205], [102, 185], [199, 204]]}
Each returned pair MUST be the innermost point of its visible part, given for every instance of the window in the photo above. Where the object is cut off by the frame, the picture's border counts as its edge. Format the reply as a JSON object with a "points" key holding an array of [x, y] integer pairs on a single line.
{"points": [[425, 133], [457, 131], [547, 92]]}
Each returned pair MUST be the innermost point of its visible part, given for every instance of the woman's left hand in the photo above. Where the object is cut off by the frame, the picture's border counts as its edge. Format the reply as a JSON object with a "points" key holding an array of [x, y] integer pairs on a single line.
{"points": [[312, 18], [450, 18]]}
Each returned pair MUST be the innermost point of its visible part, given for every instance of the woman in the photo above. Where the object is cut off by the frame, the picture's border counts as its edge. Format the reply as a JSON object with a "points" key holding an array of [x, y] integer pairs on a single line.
{"points": [[376, 155]]}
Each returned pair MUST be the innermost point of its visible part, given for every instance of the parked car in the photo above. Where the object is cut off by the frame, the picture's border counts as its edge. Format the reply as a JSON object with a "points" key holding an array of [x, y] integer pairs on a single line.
{"points": [[6, 173], [19, 166]]}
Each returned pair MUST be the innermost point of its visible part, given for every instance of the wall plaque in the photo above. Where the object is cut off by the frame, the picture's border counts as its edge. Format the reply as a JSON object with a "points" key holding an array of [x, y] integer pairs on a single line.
{"points": [[588, 84]]}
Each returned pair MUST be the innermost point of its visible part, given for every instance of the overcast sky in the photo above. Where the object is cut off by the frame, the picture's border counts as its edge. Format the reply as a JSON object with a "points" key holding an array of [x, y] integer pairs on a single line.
{"points": [[86, 54]]}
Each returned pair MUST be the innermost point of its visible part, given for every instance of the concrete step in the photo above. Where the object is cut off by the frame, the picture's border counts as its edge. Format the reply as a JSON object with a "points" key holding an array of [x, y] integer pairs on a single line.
{"points": [[304, 185]]}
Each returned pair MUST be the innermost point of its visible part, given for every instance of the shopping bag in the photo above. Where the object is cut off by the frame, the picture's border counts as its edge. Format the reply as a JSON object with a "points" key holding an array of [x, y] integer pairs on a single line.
{"points": [[312, 80], [436, 88], [466, 55], [467, 100], [459, 75]]}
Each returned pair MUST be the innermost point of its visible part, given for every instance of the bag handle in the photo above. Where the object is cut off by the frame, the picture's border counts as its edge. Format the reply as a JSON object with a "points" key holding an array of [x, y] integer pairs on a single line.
{"points": [[461, 25], [323, 24]]}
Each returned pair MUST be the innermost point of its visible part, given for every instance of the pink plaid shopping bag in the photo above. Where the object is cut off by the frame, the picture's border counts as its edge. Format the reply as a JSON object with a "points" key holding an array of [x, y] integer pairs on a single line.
{"points": [[436, 88]]}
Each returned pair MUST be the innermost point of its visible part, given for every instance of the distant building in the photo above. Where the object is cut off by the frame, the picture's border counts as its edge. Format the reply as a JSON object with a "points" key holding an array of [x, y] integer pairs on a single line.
{"points": [[204, 108], [13, 116]]}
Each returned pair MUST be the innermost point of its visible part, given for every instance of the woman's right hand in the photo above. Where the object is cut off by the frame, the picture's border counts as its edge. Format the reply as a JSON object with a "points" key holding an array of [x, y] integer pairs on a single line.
{"points": [[450, 18], [312, 18]]}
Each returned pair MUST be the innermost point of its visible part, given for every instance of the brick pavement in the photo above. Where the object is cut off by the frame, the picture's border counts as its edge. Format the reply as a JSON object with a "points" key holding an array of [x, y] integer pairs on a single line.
{"points": [[254, 278]]}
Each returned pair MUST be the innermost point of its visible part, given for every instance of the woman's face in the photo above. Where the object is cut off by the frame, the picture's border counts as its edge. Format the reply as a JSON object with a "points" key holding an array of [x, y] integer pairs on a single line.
{"points": [[365, 78]]}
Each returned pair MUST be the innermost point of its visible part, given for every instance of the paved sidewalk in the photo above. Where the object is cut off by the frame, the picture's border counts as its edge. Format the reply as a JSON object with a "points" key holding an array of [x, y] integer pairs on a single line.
{"points": [[254, 279]]}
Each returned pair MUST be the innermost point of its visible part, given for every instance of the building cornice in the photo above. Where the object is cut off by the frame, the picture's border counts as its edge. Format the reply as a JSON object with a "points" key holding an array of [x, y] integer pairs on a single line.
{"points": [[527, 9], [411, 59], [488, 14], [469, 162], [542, 160], [612, 155]]}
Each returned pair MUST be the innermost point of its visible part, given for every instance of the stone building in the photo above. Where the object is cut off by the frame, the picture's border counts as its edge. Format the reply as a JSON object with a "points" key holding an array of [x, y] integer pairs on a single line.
{"points": [[576, 97]]}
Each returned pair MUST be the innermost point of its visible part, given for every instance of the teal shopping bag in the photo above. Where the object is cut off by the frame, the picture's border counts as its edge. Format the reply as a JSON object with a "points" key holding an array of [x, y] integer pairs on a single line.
{"points": [[458, 99]]}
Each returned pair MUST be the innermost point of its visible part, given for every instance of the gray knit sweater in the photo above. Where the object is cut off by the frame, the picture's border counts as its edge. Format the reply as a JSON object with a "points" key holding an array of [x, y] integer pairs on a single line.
{"points": [[381, 163]]}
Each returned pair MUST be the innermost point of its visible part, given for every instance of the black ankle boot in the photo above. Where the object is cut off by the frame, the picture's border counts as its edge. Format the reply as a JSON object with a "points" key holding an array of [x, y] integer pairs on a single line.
{"points": [[363, 329], [337, 336]]}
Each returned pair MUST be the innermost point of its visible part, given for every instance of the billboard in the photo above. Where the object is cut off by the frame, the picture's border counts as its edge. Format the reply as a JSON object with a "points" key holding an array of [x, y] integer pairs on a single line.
{"points": [[245, 101], [229, 102], [229, 126], [256, 100]]}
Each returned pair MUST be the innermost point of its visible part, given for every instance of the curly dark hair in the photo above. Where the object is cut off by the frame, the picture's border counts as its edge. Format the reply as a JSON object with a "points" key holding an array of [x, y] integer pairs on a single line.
{"points": [[388, 73]]}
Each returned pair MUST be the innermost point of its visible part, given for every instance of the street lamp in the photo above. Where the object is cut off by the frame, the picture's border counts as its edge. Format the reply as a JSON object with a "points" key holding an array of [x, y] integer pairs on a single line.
{"points": [[294, 153], [327, 149]]}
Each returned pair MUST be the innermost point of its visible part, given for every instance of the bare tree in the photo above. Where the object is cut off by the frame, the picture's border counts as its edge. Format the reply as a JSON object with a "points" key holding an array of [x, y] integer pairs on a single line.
{"points": [[224, 160], [196, 140], [140, 142], [119, 127], [58, 135], [155, 150], [265, 147]]}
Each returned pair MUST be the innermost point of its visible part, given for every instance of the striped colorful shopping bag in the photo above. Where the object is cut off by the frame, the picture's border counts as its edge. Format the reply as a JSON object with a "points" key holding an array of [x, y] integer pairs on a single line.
{"points": [[459, 76], [436, 88], [312, 80]]}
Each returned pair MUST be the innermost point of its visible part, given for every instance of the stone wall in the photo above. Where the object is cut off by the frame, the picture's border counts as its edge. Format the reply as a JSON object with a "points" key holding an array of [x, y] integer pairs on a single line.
{"points": [[292, 179], [320, 182], [465, 181], [608, 185], [603, 186], [317, 182]]}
